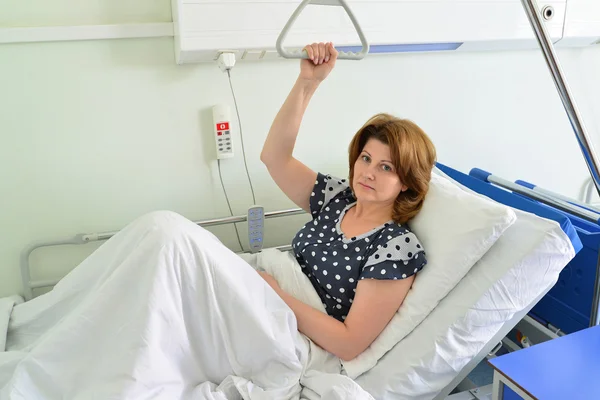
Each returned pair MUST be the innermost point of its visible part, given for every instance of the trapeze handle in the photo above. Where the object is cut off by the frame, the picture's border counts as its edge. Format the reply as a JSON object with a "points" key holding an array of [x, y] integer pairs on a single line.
{"points": [[343, 55]]}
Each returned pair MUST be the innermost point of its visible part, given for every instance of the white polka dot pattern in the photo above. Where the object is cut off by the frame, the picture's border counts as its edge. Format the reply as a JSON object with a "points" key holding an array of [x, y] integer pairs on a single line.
{"points": [[403, 247], [330, 187], [335, 264]]}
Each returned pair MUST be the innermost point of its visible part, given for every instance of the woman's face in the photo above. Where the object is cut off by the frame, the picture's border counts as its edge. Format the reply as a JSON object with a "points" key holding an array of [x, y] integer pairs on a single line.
{"points": [[375, 178]]}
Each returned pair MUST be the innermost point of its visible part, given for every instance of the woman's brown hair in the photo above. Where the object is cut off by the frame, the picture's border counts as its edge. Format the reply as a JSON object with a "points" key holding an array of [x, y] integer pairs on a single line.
{"points": [[413, 155]]}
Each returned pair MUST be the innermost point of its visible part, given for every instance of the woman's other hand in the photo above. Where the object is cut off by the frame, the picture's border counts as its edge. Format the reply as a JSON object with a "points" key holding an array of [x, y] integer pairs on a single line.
{"points": [[320, 62]]}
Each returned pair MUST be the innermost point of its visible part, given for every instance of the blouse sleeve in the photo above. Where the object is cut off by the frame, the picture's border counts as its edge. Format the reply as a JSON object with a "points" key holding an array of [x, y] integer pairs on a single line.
{"points": [[325, 189], [396, 257]]}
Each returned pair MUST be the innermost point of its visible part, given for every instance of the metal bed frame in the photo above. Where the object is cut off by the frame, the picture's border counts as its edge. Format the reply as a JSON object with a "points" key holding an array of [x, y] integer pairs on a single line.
{"points": [[84, 238]]}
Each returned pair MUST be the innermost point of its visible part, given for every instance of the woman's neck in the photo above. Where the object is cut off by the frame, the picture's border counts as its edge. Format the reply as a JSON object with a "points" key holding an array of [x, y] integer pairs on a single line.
{"points": [[375, 213]]}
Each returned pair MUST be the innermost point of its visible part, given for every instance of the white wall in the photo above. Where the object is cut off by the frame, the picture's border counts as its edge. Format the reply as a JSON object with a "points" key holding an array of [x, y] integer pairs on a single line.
{"points": [[95, 134], [17, 13]]}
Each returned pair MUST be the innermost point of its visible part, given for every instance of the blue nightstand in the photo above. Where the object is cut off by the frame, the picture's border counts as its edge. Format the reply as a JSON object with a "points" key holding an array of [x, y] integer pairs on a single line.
{"points": [[567, 368]]}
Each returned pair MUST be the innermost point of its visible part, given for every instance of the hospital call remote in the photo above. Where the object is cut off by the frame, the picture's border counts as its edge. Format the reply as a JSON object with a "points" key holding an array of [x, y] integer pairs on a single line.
{"points": [[222, 131], [256, 223]]}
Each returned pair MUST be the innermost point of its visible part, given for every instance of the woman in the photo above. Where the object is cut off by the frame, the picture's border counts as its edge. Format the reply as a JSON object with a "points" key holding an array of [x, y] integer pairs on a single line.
{"points": [[164, 309], [357, 251]]}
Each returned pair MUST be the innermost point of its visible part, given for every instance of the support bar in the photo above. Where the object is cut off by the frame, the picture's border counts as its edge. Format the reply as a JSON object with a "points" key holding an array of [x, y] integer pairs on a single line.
{"points": [[82, 238], [92, 237], [554, 202], [566, 97], [558, 196], [25, 269]]}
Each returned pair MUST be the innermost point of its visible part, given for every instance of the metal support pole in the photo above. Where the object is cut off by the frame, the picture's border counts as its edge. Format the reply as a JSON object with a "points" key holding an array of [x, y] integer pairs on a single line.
{"points": [[566, 97], [573, 113]]}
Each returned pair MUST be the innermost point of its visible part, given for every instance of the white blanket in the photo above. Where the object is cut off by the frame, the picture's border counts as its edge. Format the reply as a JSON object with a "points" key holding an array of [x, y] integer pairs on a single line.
{"points": [[6, 307], [164, 311]]}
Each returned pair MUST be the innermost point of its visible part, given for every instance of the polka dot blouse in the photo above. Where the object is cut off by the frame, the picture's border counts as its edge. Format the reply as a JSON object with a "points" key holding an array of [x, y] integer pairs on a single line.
{"points": [[334, 263]]}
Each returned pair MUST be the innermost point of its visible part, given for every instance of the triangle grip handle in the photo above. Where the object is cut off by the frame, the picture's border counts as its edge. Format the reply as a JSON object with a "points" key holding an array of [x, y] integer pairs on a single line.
{"points": [[301, 54]]}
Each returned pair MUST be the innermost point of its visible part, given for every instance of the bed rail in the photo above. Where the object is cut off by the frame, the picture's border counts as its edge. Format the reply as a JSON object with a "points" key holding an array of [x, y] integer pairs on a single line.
{"points": [[559, 196], [83, 238], [559, 204], [544, 197]]}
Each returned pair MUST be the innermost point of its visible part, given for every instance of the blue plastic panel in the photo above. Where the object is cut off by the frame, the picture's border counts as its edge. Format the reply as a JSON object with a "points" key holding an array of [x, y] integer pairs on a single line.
{"points": [[526, 184], [479, 174], [568, 304], [403, 48], [516, 201], [563, 369]]}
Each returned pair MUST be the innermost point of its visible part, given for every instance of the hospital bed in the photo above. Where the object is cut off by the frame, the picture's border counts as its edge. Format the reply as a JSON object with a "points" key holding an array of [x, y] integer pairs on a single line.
{"points": [[444, 323]]}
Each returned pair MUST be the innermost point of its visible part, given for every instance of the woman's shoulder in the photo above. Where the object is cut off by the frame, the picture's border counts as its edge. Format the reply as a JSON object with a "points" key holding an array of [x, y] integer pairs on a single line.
{"points": [[331, 183], [328, 188], [398, 242], [396, 253], [393, 229]]}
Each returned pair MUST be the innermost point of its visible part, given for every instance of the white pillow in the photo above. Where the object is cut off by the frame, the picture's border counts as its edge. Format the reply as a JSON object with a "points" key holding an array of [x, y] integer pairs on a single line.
{"points": [[456, 229], [521, 265]]}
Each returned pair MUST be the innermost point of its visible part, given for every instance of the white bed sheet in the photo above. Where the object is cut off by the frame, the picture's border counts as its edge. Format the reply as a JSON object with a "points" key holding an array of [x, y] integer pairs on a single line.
{"points": [[522, 264], [164, 310], [6, 306]]}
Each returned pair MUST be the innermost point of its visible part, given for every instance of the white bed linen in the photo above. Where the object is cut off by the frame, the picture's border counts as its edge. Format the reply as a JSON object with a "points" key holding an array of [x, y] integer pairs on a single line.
{"points": [[47, 336], [522, 264], [163, 310], [6, 307]]}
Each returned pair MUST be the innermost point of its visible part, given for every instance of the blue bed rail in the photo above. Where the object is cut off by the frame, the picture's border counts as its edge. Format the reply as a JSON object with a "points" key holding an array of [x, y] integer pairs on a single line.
{"points": [[516, 201], [572, 304]]}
